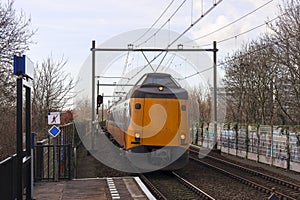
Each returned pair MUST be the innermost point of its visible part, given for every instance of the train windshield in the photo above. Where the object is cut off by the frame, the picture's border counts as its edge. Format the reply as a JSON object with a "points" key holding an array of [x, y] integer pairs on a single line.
{"points": [[160, 79]]}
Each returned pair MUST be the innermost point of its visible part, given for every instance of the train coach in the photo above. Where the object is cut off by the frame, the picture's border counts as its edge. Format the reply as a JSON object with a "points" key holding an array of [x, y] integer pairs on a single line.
{"points": [[153, 121]]}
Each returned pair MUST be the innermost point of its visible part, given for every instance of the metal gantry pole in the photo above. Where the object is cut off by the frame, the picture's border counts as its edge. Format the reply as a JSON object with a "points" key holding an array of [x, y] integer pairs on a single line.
{"points": [[97, 109], [214, 50], [102, 110], [215, 95], [93, 93]]}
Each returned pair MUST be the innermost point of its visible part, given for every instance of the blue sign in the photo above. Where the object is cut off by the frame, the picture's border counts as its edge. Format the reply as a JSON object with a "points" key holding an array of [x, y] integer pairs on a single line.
{"points": [[19, 65], [23, 66], [54, 131]]}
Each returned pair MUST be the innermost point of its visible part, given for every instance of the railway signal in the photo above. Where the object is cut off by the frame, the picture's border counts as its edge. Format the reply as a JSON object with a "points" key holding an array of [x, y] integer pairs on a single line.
{"points": [[99, 100]]}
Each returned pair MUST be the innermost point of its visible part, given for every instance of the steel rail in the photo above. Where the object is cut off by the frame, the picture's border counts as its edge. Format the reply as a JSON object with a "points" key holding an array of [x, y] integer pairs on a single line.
{"points": [[152, 188], [242, 179], [189, 187], [193, 188], [257, 173]]}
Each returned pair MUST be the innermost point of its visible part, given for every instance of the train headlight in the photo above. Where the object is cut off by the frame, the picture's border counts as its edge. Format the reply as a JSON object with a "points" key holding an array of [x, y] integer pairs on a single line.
{"points": [[137, 135], [160, 88], [182, 139], [137, 138]]}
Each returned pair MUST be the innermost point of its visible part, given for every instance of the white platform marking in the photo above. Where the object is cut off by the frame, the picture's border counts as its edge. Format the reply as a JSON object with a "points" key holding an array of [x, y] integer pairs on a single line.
{"points": [[113, 191]]}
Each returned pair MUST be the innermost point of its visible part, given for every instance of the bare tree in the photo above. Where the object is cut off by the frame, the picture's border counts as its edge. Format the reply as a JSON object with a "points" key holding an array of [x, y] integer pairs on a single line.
{"points": [[15, 37], [262, 79], [200, 105], [15, 32], [248, 80], [286, 39], [52, 91]]}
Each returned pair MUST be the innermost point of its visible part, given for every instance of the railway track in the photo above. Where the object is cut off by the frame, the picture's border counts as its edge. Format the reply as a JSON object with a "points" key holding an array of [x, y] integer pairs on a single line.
{"points": [[172, 186], [255, 179]]}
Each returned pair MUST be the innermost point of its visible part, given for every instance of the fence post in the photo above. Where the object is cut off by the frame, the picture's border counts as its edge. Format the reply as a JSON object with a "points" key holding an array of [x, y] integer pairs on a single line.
{"points": [[55, 158], [221, 140], [247, 140], [75, 162], [32, 162], [236, 138], [39, 161], [228, 143], [272, 144], [288, 159], [28, 184], [258, 142], [69, 161]]}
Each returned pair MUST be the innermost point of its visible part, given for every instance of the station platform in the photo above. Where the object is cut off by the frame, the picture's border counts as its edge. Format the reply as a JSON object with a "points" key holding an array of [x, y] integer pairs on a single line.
{"points": [[93, 189]]}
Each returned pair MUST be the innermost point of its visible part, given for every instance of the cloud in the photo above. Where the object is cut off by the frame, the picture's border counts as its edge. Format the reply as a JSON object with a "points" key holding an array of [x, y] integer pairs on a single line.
{"points": [[67, 27]]}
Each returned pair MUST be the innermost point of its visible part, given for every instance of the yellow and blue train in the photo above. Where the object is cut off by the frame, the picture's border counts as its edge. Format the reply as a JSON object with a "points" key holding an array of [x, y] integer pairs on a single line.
{"points": [[153, 119]]}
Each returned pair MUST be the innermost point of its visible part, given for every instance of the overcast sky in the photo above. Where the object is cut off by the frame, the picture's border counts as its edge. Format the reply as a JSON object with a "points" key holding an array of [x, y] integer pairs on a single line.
{"points": [[66, 28]]}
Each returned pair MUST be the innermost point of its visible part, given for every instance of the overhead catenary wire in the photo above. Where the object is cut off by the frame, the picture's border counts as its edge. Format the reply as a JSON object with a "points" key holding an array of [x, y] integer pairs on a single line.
{"points": [[192, 7], [195, 22], [247, 31], [147, 31], [262, 47], [237, 35], [163, 25], [233, 37], [161, 61], [197, 73], [215, 3], [187, 29], [229, 24], [256, 27], [176, 39]]}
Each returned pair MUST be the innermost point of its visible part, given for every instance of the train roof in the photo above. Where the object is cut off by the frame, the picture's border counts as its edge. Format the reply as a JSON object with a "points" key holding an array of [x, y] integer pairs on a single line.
{"points": [[161, 79], [148, 86]]}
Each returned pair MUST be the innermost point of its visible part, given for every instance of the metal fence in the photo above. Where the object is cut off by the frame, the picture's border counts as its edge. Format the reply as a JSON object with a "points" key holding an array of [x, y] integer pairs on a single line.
{"points": [[272, 145], [54, 157], [52, 161], [8, 180], [269, 143]]}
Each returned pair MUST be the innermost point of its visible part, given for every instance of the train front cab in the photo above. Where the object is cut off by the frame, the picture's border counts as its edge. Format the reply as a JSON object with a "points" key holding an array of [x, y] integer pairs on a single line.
{"points": [[159, 127]]}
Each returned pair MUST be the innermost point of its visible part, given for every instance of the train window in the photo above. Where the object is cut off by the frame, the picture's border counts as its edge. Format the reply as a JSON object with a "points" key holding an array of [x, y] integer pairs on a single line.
{"points": [[183, 107], [162, 80], [137, 106]]}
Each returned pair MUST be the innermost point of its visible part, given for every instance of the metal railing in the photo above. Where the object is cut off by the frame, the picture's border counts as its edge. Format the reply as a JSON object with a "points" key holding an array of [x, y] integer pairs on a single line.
{"points": [[273, 145], [53, 162], [8, 180], [54, 157]]}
